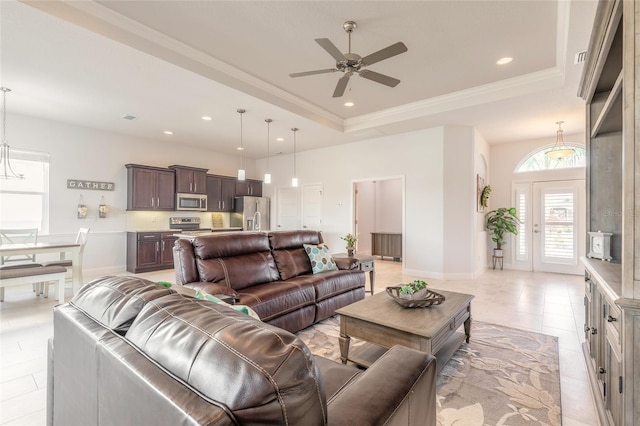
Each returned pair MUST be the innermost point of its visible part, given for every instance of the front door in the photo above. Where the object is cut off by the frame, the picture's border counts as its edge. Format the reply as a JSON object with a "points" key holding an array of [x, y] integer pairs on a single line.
{"points": [[557, 226]]}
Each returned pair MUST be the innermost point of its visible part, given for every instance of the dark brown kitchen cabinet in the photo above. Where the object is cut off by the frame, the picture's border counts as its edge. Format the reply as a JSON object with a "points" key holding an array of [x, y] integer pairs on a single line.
{"points": [[190, 180], [149, 251], [220, 193], [249, 187], [150, 188]]}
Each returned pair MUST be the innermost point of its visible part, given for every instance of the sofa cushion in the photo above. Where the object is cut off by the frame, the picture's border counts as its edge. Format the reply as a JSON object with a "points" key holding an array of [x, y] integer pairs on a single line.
{"points": [[115, 301], [288, 253], [292, 262], [274, 299], [228, 245], [331, 283], [266, 377], [239, 272], [320, 258]]}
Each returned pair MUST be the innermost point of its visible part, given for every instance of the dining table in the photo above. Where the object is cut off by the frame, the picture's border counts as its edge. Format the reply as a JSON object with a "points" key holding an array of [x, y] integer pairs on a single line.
{"points": [[41, 248]]}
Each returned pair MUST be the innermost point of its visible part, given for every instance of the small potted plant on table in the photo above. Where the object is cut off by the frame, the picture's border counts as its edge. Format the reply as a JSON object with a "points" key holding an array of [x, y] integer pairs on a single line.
{"points": [[414, 290], [499, 222], [351, 243]]}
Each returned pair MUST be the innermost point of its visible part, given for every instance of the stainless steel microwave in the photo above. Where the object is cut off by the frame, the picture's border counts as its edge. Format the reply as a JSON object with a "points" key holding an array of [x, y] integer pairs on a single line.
{"points": [[193, 202]]}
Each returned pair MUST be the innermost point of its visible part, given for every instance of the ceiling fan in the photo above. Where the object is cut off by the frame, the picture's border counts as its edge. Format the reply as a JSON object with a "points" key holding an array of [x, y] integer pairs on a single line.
{"points": [[350, 63]]}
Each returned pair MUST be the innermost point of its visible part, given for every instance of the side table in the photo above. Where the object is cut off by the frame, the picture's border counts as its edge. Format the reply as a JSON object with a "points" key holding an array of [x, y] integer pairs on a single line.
{"points": [[364, 262], [497, 260]]}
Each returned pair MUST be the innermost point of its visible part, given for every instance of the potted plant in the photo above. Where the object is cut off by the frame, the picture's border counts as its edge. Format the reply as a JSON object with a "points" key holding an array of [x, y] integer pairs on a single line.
{"points": [[414, 290], [351, 243], [499, 222]]}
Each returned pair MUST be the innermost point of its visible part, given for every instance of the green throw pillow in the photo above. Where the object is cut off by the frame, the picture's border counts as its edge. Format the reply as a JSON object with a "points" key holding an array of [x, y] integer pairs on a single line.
{"points": [[321, 259], [240, 308]]}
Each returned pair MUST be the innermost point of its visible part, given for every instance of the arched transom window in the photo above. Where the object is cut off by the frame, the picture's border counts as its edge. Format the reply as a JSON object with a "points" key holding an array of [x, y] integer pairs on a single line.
{"points": [[538, 160]]}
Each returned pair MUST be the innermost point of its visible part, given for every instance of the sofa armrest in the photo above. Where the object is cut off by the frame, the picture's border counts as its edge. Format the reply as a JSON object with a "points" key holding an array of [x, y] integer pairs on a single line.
{"points": [[403, 385], [346, 262]]}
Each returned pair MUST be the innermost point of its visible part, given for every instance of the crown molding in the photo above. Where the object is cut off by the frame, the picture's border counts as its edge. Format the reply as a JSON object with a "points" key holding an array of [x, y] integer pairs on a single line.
{"points": [[505, 89]]}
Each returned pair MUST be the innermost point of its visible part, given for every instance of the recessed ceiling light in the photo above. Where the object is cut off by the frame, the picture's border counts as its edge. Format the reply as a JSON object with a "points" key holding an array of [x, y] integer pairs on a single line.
{"points": [[206, 118], [349, 104], [280, 139], [129, 117], [240, 148], [504, 61], [168, 132]]}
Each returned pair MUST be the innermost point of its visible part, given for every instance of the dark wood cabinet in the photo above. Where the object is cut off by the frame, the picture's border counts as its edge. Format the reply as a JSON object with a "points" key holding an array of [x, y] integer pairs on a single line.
{"points": [[249, 187], [190, 180], [220, 193], [150, 188], [149, 251]]}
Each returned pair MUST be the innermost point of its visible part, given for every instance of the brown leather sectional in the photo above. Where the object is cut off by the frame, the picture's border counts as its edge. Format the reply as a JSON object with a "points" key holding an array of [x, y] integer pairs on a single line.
{"points": [[126, 351], [270, 272]]}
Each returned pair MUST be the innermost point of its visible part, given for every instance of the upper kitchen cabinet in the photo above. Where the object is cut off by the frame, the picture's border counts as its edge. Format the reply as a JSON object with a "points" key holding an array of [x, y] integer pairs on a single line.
{"points": [[249, 187], [190, 180], [150, 188], [220, 193]]}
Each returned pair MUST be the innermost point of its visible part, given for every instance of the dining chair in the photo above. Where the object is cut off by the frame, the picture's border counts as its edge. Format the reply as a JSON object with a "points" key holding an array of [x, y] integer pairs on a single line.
{"points": [[81, 238], [18, 236]]}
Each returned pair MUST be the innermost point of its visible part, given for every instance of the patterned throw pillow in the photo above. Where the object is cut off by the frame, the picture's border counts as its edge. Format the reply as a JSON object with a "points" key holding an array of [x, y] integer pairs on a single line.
{"points": [[240, 308], [320, 258]]}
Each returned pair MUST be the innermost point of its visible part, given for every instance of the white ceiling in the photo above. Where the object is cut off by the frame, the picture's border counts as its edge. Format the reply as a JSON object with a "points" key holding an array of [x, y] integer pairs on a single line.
{"points": [[171, 62]]}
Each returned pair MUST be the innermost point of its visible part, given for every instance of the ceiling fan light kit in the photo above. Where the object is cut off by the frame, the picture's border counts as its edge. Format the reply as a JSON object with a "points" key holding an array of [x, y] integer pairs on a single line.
{"points": [[350, 63]]}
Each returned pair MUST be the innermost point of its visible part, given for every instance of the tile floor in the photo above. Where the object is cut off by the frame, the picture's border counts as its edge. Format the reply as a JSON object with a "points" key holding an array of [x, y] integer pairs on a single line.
{"points": [[541, 302]]}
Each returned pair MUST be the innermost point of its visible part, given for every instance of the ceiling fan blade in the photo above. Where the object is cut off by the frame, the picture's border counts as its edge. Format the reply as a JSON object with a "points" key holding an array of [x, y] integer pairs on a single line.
{"points": [[342, 85], [379, 78], [302, 74], [331, 49], [387, 52]]}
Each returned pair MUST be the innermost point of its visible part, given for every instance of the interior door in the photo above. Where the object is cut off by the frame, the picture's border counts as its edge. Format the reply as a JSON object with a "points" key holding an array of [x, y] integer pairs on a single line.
{"points": [[312, 207], [558, 226], [286, 208]]}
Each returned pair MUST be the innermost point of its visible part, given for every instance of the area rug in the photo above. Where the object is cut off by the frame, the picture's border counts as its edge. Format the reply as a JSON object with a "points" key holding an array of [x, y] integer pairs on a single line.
{"points": [[503, 376]]}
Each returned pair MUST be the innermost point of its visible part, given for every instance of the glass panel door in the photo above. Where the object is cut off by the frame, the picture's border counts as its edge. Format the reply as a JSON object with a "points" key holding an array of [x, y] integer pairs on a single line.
{"points": [[558, 226]]}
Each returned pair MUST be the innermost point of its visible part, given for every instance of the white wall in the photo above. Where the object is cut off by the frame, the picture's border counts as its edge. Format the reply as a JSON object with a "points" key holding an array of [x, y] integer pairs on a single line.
{"points": [[482, 158], [379, 209], [83, 153], [389, 205], [438, 188]]}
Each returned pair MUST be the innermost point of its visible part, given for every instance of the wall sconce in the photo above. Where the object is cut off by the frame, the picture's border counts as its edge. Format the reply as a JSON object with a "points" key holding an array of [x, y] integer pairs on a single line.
{"points": [[102, 209], [82, 209]]}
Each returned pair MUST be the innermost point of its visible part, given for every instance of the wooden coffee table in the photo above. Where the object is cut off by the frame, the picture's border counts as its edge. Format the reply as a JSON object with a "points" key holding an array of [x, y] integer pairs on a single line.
{"points": [[383, 323]]}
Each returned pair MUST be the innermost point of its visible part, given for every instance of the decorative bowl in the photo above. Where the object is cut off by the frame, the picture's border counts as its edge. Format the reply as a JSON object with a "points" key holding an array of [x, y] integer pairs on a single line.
{"points": [[432, 298]]}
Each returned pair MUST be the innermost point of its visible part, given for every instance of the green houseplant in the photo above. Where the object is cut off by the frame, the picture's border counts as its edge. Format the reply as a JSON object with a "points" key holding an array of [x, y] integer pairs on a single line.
{"points": [[351, 243], [414, 290], [501, 221]]}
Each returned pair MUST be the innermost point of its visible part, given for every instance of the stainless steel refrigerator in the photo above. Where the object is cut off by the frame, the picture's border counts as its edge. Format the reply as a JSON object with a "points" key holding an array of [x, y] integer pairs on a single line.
{"points": [[251, 213]]}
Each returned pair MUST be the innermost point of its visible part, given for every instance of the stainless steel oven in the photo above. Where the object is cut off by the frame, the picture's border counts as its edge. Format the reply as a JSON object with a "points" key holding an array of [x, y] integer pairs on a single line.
{"points": [[193, 202]]}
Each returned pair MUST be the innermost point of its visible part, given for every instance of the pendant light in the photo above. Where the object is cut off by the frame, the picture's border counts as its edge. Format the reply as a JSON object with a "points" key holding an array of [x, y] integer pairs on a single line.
{"points": [[559, 151], [241, 173], [267, 174], [294, 179], [6, 171]]}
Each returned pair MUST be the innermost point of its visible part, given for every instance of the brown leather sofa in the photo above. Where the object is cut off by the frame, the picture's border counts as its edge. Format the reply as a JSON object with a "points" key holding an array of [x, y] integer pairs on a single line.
{"points": [[126, 351], [270, 272]]}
